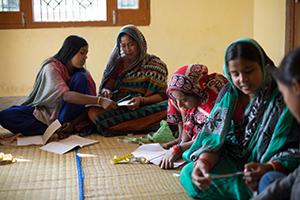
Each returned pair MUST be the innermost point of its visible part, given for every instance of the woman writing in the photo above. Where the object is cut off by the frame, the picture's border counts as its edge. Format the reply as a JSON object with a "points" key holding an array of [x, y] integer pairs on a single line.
{"points": [[193, 90], [249, 130], [61, 90], [288, 80], [141, 78]]}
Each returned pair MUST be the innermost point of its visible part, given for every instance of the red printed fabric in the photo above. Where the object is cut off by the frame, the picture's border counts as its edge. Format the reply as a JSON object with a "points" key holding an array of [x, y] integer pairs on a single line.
{"points": [[194, 79]]}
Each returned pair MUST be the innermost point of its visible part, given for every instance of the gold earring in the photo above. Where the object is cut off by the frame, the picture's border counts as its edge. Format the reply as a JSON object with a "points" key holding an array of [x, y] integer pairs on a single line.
{"points": [[246, 79]]}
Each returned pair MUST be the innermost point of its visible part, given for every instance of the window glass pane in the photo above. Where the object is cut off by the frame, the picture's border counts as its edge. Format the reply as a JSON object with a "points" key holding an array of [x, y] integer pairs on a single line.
{"points": [[69, 10], [9, 5], [128, 4]]}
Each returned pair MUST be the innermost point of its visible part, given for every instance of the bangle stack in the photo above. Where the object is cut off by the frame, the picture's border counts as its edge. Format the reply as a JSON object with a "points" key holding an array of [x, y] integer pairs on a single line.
{"points": [[98, 102], [276, 165], [205, 160], [142, 101], [177, 149]]}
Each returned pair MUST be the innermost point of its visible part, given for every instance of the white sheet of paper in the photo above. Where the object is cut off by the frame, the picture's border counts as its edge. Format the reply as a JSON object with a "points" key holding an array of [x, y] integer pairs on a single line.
{"points": [[67, 144], [40, 140], [34, 140], [123, 103], [149, 151], [153, 153], [176, 164]]}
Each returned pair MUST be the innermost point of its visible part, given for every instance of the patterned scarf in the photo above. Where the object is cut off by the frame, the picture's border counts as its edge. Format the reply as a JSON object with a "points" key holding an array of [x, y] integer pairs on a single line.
{"points": [[263, 133], [148, 68], [194, 79]]}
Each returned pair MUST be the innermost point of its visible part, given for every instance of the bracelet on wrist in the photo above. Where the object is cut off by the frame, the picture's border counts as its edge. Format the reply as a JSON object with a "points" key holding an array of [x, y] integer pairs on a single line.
{"points": [[276, 165], [142, 101], [206, 161], [177, 149], [98, 101], [180, 148]]}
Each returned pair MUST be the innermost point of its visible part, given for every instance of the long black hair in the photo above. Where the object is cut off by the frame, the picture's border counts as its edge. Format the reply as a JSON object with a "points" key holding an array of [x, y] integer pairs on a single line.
{"points": [[289, 68], [70, 47]]}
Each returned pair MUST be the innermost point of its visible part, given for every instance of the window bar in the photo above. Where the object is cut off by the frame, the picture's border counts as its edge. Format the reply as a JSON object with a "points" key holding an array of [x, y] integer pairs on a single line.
{"points": [[41, 10], [73, 10], [47, 11], [66, 11], [59, 11]]}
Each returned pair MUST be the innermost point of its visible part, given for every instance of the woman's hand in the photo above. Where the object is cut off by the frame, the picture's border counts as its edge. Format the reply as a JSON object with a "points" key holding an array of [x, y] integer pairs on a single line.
{"points": [[167, 161], [106, 93], [253, 173], [136, 103], [168, 145], [108, 104], [65, 130], [200, 175]]}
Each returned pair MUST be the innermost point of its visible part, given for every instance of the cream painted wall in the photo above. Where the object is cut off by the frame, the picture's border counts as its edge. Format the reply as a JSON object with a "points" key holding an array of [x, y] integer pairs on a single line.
{"points": [[197, 31], [269, 27]]}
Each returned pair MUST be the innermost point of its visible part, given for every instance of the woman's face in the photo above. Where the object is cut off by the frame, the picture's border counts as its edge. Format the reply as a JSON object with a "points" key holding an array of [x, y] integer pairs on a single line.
{"points": [[78, 60], [246, 75], [130, 48], [291, 98], [185, 102]]}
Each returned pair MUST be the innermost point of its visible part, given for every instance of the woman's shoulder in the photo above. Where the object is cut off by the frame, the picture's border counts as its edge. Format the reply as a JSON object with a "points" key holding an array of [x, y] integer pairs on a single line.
{"points": [[53, 66], [156, 63], [52, 63], [227, 88]]}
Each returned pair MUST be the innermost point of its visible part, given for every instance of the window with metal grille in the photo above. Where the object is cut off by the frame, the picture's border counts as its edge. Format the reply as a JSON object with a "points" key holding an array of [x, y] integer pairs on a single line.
{"points": [[75, 13], [9, 5]]}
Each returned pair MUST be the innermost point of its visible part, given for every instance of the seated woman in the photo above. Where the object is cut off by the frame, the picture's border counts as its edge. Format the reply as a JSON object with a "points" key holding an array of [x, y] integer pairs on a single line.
{"points": [[61, 90], [131, 72], [288, 80], [249, 130], [191, 88]]}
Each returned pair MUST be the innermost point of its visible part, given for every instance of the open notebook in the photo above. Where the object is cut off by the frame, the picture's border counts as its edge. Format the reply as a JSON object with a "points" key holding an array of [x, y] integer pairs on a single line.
{"points": [[59, 147]]}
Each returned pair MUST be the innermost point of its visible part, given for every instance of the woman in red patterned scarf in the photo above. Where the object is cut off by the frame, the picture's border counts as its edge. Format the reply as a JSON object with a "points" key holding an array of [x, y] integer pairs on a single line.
{"points": [[192, 93]]}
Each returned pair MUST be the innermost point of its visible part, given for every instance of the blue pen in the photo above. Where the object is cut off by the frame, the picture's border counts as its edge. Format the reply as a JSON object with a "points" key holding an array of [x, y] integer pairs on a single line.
{"points": [[114, 92], [123, 98]]}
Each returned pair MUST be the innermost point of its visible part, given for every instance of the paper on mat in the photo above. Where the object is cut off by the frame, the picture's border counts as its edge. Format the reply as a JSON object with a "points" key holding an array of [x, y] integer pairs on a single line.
{"points": [[123, 103], [40, 140], [67, 144], [153, 153]]}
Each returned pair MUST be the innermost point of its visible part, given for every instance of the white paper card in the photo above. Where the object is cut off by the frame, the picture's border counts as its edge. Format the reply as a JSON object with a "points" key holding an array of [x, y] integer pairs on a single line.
{"points": [[154, 153], [123, 103], [40, 140], [67, 144]]}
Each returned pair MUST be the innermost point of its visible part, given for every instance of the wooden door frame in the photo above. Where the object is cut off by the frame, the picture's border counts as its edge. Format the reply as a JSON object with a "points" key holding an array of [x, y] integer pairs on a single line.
{"points": [[290, 26]]}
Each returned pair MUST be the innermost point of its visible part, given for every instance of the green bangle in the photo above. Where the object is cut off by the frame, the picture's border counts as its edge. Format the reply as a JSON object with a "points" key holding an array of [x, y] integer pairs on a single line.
{"points": [[180, 148]]}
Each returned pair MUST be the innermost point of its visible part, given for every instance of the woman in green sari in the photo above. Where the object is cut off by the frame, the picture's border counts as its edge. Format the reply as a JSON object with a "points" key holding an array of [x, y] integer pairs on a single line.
{"points": [[250, 130]]}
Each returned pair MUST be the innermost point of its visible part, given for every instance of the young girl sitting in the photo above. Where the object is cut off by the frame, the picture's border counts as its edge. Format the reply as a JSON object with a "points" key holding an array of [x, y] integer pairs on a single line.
{"points": [[191, 91], [250, 131], [61, 90]]}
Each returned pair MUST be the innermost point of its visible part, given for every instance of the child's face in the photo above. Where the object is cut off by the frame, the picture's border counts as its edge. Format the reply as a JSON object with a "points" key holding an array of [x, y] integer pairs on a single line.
{"points": [[185, 102], [246, 75]]}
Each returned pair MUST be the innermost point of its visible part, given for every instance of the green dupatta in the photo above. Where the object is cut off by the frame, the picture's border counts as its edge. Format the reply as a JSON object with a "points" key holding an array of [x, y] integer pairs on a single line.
{"points": [[266, 132]]}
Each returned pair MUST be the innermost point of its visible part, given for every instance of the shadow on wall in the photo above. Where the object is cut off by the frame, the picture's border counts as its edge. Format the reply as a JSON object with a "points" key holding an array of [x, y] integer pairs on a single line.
{"points": [[6, 102]]}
